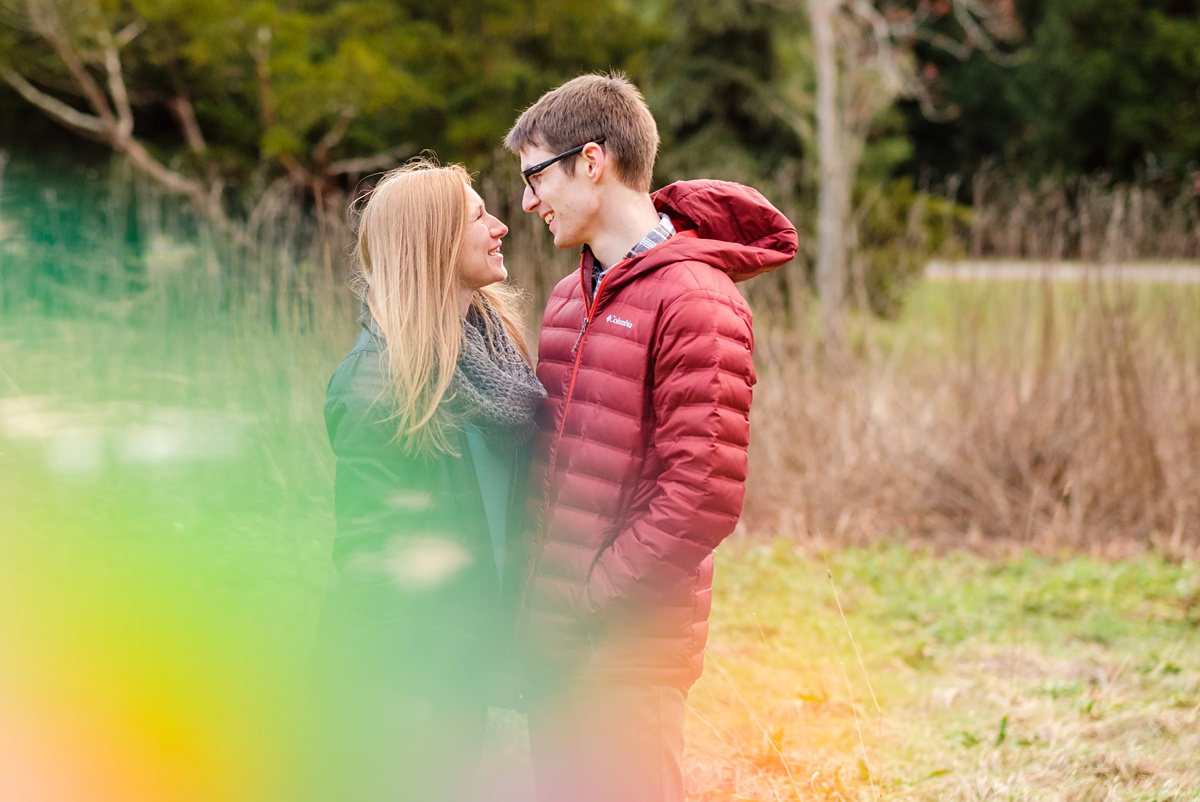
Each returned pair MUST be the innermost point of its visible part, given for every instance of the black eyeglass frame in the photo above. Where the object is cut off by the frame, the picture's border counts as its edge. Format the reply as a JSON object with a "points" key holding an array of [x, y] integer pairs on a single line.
{"points": [[530, 172]]}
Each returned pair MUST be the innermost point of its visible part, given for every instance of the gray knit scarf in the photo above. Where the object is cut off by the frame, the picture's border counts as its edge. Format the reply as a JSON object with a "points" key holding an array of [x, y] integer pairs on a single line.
{"points": [[494, 387]]}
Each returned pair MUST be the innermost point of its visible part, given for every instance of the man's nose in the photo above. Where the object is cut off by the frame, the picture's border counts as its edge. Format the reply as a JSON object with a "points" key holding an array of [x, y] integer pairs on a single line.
{"points": [[529, 200]]}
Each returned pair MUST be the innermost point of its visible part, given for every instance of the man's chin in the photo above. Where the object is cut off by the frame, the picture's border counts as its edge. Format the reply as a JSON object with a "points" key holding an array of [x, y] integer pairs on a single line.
{"points": [[564, 243]]}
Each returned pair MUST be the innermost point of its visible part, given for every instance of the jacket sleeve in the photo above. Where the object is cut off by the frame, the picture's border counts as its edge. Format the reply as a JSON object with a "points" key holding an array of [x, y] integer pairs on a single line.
{"points": [[703, 376]]}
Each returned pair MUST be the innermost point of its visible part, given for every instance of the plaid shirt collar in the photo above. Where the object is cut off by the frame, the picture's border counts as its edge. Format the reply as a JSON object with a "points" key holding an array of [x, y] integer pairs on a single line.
{"points": [[657, 236]]}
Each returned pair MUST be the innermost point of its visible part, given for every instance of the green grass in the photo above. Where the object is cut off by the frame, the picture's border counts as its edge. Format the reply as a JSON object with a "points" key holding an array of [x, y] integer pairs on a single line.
{"points": [[1007, 320], [951, 676]]}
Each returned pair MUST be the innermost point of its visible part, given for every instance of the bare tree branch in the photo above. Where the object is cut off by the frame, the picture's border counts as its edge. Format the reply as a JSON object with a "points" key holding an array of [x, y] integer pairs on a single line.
{"points": [[129, 32], [116, 87], [944, 43], [882, 30], [72, 118], [969, 13], [51, 27], [185, 114], [368, 164], [334, 135]]}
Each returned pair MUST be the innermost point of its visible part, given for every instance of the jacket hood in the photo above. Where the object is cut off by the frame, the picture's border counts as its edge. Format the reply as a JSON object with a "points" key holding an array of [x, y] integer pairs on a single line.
{"points": [[737, 229]]}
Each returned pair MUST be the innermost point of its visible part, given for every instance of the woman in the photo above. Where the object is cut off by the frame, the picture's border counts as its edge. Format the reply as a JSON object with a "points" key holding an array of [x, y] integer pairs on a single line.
{"points": [[428, 416]]}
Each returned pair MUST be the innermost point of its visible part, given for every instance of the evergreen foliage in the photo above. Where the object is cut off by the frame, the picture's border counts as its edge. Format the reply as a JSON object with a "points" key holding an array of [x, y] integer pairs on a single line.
{"points": [[727, 87], [1101, 86], [254, 99], [315, 89]]}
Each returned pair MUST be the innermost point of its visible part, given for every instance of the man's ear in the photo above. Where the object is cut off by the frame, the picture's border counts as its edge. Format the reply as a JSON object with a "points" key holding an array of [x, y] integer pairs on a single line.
{"points": [[595, 161]]}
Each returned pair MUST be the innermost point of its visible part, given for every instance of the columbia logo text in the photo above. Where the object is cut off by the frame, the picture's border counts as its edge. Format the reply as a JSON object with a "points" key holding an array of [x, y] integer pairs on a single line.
{"points": [[619, 321]]}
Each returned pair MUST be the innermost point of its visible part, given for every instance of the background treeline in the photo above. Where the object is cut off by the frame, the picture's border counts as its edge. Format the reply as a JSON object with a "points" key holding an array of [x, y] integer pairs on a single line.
{"points": [[1095, 85], [237, 105], [1099, 86]]}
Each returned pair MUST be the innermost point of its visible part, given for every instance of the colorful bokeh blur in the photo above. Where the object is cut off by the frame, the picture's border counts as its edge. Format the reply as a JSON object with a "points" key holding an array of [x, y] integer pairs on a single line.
{"points": [[165, 513]]}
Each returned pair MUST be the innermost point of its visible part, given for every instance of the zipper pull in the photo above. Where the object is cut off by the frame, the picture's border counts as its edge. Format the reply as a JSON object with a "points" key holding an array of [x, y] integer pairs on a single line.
{"points": [[582, 329]]}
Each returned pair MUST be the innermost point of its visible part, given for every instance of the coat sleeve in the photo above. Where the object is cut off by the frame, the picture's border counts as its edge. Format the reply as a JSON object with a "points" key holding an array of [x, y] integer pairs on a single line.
{"points": [[703, 376]]}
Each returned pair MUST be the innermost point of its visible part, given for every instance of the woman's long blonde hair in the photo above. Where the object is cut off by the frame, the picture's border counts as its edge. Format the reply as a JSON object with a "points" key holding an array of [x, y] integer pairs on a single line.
{"points": [[410, 233]]}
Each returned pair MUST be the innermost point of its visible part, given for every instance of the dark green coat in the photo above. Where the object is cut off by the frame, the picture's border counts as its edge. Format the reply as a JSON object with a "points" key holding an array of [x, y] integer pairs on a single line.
{"points": [[415, 593]]}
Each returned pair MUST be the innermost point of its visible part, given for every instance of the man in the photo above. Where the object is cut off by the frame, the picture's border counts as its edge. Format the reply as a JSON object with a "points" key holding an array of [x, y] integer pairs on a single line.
{"points": [[640, 464]]}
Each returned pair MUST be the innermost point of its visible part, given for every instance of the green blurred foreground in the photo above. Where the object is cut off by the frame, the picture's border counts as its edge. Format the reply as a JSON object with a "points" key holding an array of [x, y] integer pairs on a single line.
{"points": [[165, 514]]}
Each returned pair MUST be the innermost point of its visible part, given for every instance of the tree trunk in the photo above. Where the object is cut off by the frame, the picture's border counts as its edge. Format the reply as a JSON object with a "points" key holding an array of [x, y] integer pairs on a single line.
{"points": [[834, 191]]}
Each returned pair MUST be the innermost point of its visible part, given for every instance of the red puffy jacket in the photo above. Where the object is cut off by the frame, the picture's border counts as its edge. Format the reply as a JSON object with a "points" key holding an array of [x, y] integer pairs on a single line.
{"points": [[640, 467]]}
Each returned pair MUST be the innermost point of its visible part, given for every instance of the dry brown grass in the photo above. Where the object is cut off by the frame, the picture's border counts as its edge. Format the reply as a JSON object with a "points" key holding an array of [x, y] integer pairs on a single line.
{"points": [[1089, 218], [1045, 415]]}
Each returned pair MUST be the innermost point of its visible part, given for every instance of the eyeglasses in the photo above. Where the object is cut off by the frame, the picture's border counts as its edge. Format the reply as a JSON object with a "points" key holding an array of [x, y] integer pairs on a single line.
{"points": [[529, 172]]}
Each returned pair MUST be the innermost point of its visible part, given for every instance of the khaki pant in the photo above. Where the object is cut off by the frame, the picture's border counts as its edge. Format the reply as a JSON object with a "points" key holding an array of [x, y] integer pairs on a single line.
{"points": [[605, 742]]}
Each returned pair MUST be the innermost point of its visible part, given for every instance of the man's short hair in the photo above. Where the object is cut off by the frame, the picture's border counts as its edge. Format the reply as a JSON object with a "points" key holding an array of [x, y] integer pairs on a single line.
{"points": [[584, 109]]}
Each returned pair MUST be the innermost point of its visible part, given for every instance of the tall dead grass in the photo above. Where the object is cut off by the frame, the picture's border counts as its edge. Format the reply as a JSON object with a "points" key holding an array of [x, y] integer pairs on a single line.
{"points": [[1089, 218], [1071, 421]]}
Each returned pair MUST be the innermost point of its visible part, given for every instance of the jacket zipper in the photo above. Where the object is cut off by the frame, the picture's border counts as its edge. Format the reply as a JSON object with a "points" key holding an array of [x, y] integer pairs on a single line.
{"points": [[552, 462], [582, 330], [562, 424], [577, 352]]}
